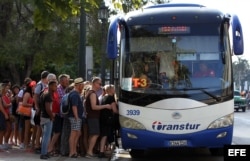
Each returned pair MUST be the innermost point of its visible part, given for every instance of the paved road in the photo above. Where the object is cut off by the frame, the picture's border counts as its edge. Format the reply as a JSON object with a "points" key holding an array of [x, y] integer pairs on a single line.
{"points": [[241, 133], [15, 154]]}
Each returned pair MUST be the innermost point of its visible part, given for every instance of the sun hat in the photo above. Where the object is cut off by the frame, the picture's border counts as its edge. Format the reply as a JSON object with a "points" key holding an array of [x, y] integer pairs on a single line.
{"points": [[78, 80]]}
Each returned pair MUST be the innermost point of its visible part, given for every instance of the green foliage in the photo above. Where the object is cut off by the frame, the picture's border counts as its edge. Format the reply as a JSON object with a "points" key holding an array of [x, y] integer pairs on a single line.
{"points": [[27, 50], [241, 71], [46, 11], [44, 34], [130, 5]]}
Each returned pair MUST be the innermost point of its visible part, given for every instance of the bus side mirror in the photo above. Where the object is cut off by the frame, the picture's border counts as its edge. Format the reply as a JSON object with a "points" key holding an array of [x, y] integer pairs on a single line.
{"points": [[112, 49], [238, 45]]}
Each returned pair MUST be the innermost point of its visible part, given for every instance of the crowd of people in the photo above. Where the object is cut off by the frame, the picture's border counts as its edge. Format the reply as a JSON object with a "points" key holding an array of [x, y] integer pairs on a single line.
{"points": [[88, 129]]}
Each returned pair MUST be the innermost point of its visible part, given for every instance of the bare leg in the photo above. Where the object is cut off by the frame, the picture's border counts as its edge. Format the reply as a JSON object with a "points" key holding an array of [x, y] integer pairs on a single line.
{"points": [[92, 142], [103, 143], [72, 143], [53, 141]]}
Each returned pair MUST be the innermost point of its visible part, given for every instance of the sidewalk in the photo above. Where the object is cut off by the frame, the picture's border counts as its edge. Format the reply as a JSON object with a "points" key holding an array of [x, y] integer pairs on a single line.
{"points": [[16, 154]]}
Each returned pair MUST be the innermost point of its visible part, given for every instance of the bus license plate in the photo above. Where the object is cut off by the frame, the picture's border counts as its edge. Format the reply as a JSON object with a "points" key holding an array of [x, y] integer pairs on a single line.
{"points": [[178, 143]]}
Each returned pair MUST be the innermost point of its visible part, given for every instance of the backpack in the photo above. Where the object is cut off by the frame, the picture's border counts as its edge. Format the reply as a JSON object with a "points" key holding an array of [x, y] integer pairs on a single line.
{"points": [[65, 105], [41, 95]]}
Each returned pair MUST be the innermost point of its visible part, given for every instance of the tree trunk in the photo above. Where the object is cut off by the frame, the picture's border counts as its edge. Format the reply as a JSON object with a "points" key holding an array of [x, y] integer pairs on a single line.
{"points": [[15, 75], [5, 14]]}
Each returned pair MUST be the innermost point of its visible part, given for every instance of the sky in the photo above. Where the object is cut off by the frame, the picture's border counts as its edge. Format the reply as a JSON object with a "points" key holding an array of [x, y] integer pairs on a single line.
{"points": [[238, 7]]}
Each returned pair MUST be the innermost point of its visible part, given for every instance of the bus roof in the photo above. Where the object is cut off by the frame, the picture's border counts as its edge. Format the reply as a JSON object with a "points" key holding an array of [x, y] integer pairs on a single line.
{"points": [[174, 14]]}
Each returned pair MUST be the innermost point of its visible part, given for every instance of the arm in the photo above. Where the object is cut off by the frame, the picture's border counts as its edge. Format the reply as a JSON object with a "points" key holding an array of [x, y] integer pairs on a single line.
{"points": [[20, 96], [37, 94], [97, 107], [16, 99], [3, 111], [114, 107], [74, 109], [5, 105], [48, 106], [36, 98]]}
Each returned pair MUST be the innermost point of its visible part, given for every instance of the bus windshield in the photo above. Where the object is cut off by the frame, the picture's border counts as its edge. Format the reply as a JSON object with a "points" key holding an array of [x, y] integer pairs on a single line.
{"points": [[162, 58]]}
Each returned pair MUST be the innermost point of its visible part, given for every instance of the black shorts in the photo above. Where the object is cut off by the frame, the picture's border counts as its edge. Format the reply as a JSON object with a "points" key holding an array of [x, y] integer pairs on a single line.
{"points": [[37, 119], [2, 122], [93, 126], [26, 117], [21, 122], [57, 124]]}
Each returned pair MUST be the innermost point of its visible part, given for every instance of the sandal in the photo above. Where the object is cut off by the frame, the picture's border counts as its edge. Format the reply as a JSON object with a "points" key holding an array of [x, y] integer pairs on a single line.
{"points": [[74, 156], [90, 156], [53, 154]]}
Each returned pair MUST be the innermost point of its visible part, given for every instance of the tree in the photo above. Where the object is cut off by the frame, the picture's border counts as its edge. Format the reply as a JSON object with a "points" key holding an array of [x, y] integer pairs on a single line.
{"points": [[25, 51], [37, 35], [241, 69]]}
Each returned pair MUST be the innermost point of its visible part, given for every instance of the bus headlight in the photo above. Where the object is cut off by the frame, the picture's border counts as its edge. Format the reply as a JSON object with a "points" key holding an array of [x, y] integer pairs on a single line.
{"points": [[222, 122], [130, 123]]}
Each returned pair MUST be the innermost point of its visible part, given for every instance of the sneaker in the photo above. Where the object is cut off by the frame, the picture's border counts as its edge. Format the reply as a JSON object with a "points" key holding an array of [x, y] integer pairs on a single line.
{"points": [[47, 155], [90, 156], [21, 146], [3, 147], [101, 155], [43, 157], [9, 146]]}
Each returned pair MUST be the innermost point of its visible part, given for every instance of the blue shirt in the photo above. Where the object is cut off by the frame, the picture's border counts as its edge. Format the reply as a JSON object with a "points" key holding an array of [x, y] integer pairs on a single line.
{"points": [[76, 100]]}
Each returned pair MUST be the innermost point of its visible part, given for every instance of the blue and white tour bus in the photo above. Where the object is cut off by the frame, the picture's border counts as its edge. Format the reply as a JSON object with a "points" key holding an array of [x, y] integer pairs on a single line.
{"points": [[175, 76]]}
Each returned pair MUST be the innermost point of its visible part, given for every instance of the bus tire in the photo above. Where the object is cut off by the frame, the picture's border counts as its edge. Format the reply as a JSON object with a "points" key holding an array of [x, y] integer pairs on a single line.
{"points": [[216, 151], [243, 109], [136, 153]]}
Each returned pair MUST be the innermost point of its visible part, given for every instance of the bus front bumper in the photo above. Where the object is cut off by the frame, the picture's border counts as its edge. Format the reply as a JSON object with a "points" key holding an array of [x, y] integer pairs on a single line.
{"points": [[143, 139]]}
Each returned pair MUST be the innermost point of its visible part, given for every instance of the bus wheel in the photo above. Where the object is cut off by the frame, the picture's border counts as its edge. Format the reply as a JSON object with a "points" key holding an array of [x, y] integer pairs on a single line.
{"points": [[216, 151], [136, 153]]}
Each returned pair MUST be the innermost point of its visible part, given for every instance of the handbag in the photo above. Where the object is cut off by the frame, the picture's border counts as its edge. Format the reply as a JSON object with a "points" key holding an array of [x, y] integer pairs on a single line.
{"points": [[24, 111]]}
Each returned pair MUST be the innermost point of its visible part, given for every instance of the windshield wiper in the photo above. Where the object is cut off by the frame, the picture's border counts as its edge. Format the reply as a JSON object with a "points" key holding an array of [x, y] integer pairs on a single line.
{"points": [[218, 99]]}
